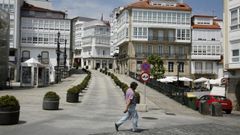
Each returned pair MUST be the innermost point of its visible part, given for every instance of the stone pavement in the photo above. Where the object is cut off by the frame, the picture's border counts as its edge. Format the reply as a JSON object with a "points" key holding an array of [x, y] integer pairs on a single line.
{"points": [[101, 105]]}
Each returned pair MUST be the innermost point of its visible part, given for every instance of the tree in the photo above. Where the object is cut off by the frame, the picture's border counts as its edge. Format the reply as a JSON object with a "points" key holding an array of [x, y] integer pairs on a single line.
{"points": [[157, 69]]}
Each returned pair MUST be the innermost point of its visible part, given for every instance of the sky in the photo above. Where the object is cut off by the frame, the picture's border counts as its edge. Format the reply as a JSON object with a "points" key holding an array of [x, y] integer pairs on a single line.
{"points": [[95, 8]]}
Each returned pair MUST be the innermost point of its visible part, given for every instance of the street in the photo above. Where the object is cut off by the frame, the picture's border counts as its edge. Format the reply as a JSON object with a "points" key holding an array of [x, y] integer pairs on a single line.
{"points": [[102, 104]]}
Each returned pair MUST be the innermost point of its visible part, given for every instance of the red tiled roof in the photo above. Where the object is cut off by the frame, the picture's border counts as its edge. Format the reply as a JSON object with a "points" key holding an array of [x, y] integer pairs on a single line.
{"points": [[30, 7], [144, 4], [218, 19], [214, 26], [203, 16]]}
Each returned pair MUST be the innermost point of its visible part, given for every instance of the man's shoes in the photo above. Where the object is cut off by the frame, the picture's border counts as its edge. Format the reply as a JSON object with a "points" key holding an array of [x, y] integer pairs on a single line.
{"points": [[135, 130], [116, 127]]}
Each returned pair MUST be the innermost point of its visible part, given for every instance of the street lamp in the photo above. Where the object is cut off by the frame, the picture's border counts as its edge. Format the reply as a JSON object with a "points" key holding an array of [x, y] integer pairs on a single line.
{"points": [[65, 57], [58, 56], [39, 58]]}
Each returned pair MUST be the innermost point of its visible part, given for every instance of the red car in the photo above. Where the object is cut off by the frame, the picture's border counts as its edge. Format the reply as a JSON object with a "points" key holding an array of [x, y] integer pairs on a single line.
{"points": [[226, 103]]}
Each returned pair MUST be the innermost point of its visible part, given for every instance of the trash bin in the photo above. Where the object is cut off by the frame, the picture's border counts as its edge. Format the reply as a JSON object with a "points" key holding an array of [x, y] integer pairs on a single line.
{"points": [[216, 109], [191, 102], [204, 108]]}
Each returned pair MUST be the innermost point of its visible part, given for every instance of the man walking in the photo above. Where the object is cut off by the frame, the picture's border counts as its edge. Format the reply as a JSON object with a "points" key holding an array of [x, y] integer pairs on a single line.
{"points": [[130, 110]]}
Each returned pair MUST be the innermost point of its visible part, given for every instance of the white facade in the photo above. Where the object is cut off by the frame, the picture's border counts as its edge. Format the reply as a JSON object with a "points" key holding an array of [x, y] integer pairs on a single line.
{"points": [[206, 46], [231, 49], [41, 3], [77, 35], [13, 8], [233, 35], [96, 45], [39, 36]]}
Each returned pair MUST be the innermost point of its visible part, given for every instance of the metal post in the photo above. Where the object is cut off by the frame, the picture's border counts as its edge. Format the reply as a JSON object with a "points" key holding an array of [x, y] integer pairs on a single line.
{"points": [[58, 56], [65, 58], [145, 94]]}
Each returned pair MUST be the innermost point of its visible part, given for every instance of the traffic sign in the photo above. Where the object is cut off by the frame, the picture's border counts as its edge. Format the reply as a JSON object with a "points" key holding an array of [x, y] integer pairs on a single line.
{"points": [[145, 67], [145, 76], [224, 80]]}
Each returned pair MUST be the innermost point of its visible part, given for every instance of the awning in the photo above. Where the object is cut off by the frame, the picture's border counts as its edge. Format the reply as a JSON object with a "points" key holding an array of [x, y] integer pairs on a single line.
{"points": [[32, 63]]}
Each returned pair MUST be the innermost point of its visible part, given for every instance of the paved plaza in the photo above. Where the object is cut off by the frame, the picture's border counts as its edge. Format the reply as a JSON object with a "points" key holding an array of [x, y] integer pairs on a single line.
{"points": [[102, 104]]}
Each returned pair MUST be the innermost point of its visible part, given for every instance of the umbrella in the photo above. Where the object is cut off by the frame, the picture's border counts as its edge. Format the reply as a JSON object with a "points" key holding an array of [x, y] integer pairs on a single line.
{"points": [[185, 79], [199, 80], [165, 80]]}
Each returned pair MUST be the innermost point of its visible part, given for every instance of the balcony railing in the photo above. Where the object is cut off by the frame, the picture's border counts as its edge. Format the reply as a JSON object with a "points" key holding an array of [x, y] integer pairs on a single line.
{"points": [[163, 55], [161, 39], [204, 72]]}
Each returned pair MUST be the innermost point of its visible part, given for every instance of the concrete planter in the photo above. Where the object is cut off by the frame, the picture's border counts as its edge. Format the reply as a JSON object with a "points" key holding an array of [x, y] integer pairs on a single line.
{"points": [[72, 97], [50, 104], [9, 117]]}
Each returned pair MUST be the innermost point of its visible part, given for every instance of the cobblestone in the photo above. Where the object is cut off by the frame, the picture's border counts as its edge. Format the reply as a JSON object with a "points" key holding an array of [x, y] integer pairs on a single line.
{"points": [[198, 129]]}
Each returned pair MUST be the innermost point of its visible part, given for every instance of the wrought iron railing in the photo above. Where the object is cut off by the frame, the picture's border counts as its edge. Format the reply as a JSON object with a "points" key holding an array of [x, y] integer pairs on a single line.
{"points": [[170, 90]]}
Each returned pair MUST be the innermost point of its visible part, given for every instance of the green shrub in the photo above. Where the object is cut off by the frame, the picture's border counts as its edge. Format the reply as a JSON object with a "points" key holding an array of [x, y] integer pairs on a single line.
{"points": [[9, 103], [73, 90], [124, 87], [52, 95]]}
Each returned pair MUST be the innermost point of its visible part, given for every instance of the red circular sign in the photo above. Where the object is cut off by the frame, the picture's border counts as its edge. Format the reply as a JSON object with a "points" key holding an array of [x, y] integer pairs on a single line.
{"points": [[145, 76]]}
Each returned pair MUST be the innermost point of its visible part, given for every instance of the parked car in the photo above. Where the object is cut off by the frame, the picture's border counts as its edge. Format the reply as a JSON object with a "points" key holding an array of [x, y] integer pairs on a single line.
{"points": [[225, 102]]}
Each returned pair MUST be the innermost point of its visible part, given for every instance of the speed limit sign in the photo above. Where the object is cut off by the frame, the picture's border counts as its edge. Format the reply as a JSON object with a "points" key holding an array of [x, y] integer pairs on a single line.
{"points": [[145, 76]]}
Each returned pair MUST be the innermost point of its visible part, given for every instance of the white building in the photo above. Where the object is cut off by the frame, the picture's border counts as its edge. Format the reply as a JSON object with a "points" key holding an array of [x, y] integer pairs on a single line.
{"points": [[206, 47], [96, 45], [77, 35], [157, 27], [232, 48], [113, 34], [41, 3], [39, 36], [13, 8]]}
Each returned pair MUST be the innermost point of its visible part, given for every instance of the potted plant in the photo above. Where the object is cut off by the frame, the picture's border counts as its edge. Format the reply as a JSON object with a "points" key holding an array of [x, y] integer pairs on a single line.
{"points": [[73, 94], [51, 101], [9, 110]]}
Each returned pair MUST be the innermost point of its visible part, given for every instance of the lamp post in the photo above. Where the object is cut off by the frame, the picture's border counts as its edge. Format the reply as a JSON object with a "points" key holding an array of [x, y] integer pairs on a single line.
{"points": [[39, 58], [65, 58], [58, 56]]}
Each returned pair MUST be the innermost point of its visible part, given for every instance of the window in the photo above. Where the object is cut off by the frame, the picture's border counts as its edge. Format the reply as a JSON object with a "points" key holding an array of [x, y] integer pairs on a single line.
{"points": [[198, 67], [160, 49], [25, 55], [135, 32], [183, 34], [35, 39], [235, 52], [170, 50], [170, 66], [150, 49], [138, 48], [40, 38], [140, 16], [150, 16], [234, 19], [134, 16], [154, 17], [209, 67], [181, 66], [45, 38], [145, 17], [181, 50], [24, 38], [45, 57]]}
